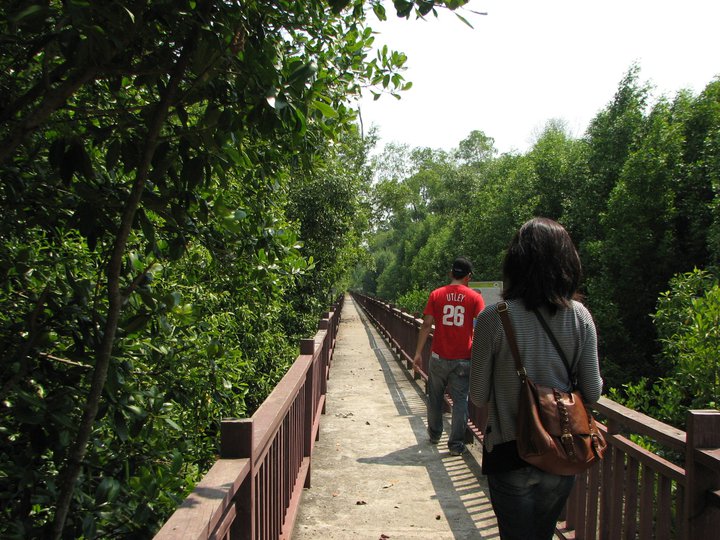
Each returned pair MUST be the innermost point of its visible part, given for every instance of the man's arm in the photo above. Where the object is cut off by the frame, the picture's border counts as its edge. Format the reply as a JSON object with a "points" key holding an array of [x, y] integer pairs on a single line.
{"points": [[428, 321]]}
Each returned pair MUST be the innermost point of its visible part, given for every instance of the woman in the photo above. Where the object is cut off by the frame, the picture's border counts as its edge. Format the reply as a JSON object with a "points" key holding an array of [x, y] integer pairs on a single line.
{"points": [[541, 271]]}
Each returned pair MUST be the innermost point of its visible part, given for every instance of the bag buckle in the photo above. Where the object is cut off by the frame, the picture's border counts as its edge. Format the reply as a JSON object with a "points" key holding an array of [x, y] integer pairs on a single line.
{"points": [[566, 439]]}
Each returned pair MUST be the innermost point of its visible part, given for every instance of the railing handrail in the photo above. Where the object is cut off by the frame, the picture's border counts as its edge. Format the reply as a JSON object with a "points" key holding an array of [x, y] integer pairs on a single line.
{"points": [[265, 457], [641, 424], [272, 411]]}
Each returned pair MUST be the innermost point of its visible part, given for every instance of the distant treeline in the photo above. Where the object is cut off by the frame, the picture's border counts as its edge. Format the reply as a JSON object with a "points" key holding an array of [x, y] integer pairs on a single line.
{"points": [[639, 193]]}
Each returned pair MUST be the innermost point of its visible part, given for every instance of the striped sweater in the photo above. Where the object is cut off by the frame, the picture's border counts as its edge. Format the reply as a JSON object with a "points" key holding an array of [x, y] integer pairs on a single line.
{"points": [[493, 378]]}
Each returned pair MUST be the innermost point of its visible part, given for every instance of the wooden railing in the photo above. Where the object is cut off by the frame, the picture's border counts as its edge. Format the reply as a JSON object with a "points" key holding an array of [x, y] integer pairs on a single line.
{"points": [[633, 493], [253, 490]]}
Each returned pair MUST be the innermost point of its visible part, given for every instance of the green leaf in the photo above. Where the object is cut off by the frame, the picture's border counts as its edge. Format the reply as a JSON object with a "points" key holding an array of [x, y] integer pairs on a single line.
{"points": [[112, 155], [193, 172], [173, 299], [177, 459], [176, 248], [302, 74], [107, 490], [325, 109], [136, 323], [170, 422], [130, 13], [137, 411], [89, 526], [338, 5], [463, 19], [120, 426], [379, 11], [135, 262], [302, 121], [30, 11], [425, 6], [403, 8]]}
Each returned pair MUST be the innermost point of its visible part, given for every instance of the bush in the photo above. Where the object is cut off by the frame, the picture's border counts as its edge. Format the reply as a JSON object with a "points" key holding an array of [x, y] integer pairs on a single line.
{"points": [[688, 324], [413, 302]]}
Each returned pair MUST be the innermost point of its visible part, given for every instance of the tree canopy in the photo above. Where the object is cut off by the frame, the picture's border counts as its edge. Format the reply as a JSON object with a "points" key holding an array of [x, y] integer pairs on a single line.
{"points": [[173, 172], [639, 194]]}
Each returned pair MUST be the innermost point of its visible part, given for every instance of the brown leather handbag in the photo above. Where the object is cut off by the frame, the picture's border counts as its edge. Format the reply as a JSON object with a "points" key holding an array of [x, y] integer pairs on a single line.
{"points": [[555, 432]]}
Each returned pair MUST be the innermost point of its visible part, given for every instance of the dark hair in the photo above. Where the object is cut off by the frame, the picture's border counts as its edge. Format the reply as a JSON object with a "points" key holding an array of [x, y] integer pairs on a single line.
{"points": [[461, 267], [542, 266]]}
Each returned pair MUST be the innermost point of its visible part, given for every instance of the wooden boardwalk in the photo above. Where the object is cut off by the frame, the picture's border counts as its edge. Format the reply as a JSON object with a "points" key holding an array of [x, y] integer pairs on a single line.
{"points": [[374, 474]]}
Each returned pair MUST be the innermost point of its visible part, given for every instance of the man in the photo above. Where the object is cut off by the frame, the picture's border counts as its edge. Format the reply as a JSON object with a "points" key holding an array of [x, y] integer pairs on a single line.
{"points": [[452, 309]]}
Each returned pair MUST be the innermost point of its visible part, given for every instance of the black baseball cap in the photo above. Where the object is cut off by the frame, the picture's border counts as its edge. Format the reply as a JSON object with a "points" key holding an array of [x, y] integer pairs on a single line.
{"points": [[461, 267]]}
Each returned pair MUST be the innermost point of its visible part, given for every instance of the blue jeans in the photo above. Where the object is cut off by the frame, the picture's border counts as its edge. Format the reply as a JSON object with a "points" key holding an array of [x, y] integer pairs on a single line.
{"points": [[454, 374], [528, 502]]}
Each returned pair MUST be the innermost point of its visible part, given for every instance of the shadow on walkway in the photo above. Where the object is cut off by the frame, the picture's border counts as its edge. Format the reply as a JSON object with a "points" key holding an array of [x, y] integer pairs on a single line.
{"points": [[374, 473]]}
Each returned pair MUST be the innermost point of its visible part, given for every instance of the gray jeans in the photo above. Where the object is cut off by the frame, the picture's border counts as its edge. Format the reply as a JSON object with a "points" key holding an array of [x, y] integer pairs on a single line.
{"points": [[454, 375]]}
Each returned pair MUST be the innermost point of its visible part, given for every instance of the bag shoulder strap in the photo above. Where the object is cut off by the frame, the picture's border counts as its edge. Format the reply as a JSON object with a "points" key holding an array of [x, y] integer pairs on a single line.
{"points": [[555, 343], [502, 309]]}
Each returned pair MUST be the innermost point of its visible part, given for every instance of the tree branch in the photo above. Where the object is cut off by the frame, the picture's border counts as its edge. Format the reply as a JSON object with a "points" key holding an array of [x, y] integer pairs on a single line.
{"points": [[52, 102]]}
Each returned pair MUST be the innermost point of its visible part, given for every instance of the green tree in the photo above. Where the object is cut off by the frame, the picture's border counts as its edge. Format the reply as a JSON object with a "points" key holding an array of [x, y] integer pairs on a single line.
{"points": [[688, 325], [639, 252], [612, 135], [476, 149], [331, 206], [137, 136], [697, 221], [638, 193], [557, 163], [502, 200]]}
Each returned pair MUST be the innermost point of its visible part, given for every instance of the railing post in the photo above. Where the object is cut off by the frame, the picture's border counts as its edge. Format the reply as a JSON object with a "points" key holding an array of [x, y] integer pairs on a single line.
{"points": [[703, 432], [307, 347], [236, 441], [416, 334], [236, 438], [327, 345], [325, 354]]}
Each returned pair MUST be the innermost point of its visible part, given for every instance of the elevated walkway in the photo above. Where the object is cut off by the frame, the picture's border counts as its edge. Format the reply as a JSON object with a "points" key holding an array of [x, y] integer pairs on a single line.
{"points": [[374, 473]]}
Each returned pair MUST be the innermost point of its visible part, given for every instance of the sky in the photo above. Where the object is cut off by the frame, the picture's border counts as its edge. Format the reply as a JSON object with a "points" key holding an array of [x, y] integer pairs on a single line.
{"points": [[530, 61]]}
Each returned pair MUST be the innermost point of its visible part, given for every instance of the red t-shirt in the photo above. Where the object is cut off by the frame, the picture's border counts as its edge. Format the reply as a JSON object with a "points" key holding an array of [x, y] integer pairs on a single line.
{"points": [[454, 308]]}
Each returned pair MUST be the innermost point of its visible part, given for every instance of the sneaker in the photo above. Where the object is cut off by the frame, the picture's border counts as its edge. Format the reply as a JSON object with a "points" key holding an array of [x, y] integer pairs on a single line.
{"points": [[459, 452], [434, 440]]}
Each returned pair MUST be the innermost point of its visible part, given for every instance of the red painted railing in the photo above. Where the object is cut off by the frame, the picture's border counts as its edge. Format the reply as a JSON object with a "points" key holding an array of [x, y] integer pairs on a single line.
{"points": [[633, 493], [253, 491]]}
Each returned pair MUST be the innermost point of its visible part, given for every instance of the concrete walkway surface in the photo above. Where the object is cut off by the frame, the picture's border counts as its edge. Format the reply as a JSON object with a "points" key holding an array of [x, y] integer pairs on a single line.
{"points": [[375, 475]]}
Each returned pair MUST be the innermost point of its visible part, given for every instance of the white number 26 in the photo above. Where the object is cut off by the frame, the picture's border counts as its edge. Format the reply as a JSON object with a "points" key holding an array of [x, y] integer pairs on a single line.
{"points": [[453, 315]]}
